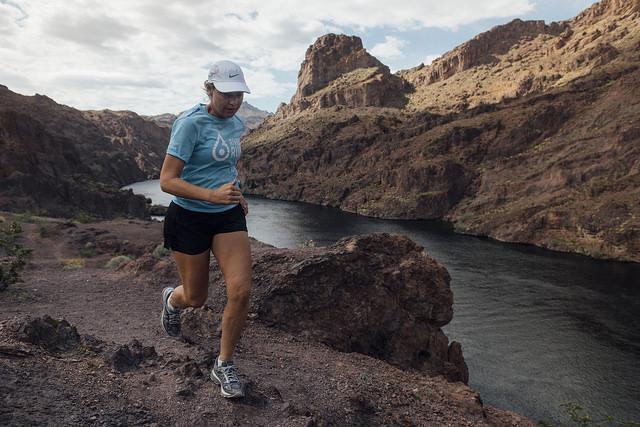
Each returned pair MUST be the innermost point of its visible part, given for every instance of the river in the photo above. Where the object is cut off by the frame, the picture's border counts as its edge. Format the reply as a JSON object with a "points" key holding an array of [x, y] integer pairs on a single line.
{"points": [[537, 328]]}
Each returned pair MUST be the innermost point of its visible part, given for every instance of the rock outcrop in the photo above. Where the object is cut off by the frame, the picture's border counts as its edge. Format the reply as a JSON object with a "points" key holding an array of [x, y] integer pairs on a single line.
{"points": [[60, 161], [530, 135], [337, 70]]}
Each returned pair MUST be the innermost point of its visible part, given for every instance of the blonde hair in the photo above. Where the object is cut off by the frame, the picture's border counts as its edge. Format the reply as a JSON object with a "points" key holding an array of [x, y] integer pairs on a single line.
{"points": [[208, 88]]}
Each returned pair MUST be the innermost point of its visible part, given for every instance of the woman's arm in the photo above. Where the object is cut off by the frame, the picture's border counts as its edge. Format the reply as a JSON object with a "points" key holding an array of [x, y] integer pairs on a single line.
{"points": [[170, 182]]}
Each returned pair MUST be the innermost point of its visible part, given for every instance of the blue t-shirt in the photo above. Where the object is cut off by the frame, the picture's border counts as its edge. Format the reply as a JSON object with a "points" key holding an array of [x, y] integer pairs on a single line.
{"points": [[210, 149]]}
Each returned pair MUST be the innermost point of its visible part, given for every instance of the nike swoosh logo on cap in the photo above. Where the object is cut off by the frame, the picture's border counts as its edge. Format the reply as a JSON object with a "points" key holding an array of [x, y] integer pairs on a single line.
{"points": [[233, 75]]}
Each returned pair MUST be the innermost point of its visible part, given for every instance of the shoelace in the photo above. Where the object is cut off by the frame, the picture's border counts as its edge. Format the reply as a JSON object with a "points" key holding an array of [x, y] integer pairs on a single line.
{"points": [[173, 317], [230, 374]]}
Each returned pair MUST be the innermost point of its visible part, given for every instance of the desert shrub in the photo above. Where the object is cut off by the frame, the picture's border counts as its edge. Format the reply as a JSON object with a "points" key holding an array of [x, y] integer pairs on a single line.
{"points": [[83, 217], [117, 261], [160, 251], [73, 263], [308, 244], [88, 250], [12, 254]]}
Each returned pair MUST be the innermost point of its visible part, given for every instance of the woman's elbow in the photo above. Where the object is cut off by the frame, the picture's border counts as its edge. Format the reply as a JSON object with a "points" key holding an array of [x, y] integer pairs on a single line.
{"points": [[165, 184]]}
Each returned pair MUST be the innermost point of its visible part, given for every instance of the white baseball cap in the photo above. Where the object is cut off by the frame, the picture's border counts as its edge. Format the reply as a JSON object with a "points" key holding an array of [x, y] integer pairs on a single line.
{"points": [[227, 76]]}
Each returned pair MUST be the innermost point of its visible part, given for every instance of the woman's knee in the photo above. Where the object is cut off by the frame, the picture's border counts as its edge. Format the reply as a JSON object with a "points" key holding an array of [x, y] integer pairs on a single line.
{"points": [[239, 293]]}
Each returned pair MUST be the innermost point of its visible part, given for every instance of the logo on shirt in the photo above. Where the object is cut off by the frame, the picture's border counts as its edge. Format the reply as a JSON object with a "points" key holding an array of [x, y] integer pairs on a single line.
{"points": [[222, 149]]}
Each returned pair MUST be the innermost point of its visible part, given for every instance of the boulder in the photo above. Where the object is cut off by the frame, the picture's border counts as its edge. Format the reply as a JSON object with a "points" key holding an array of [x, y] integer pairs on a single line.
{"points": [[46, 332]]}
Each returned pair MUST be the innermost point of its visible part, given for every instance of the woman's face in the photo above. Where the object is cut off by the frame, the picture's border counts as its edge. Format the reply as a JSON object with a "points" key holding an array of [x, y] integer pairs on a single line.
{"points": [[225, 104]]}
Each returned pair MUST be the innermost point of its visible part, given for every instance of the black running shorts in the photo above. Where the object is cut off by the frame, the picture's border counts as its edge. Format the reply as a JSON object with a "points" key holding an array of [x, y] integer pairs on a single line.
{"points": [[191, 232]]}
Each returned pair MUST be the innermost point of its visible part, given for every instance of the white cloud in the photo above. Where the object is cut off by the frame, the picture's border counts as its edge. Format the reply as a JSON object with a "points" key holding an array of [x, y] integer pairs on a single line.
{"points": [[263, 84], [152, 56], [430, 58], [391, 48], [10, 15]]}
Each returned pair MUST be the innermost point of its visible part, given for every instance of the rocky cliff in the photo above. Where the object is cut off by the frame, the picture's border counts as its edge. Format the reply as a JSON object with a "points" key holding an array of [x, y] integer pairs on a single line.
{"points": [[528, 133], [521, 58], [60, 161], [337, 70]]}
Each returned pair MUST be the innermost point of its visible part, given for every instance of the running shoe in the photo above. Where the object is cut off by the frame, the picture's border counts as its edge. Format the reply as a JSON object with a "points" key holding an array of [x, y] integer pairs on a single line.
{"points": [[169, 318], [226, 375]]}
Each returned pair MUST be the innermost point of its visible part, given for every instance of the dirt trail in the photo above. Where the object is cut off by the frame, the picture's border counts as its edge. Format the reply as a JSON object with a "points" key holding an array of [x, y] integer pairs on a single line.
{"points": [[290, 381]]}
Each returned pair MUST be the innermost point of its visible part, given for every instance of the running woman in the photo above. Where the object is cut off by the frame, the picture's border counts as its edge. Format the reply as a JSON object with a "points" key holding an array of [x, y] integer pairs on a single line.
{"points": [[207, 214]]}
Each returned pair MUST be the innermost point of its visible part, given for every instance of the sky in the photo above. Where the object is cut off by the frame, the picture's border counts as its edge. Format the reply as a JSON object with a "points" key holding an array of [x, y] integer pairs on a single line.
{"points": [[152, 56]]}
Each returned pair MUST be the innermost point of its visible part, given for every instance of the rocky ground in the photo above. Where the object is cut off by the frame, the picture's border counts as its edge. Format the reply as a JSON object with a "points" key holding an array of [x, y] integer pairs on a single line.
{"points": [[109, 363]]}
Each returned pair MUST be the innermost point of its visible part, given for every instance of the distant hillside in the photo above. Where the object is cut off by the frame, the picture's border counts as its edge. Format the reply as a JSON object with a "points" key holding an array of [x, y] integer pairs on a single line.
{"points": [[251, 115], [60, 161], [526, 133]]}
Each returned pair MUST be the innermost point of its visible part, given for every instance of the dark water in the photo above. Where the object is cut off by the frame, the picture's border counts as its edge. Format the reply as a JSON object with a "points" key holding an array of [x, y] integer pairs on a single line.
{"points": [[537, 328]]}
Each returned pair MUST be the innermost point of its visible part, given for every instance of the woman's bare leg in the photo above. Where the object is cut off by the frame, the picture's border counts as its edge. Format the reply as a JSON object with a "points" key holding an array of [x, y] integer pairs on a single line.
{"points": [[194, 280], [233, 252]]}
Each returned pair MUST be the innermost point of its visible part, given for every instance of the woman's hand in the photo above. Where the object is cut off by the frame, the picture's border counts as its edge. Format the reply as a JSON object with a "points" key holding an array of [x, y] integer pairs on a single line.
{"points": [[245, 205], [227, 194]]}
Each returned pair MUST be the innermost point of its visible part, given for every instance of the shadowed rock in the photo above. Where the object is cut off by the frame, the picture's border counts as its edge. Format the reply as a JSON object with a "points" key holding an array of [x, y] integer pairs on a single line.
{"points": [[46, 332], [129, 356]]}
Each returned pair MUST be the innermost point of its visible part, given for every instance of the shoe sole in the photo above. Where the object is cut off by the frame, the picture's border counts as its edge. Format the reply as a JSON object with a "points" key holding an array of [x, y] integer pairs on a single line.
{"points": [[215, 378], [164, 298]]}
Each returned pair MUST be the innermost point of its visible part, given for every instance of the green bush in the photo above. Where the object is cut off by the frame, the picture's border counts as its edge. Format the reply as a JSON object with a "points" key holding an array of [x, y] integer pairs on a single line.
{"points": [[43, 230], [117, 261], [12, 254], [88, 250], [160, 251], [84, 217]]}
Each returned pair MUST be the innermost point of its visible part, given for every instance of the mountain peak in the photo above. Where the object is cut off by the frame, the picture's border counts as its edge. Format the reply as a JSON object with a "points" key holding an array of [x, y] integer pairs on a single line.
{"points": [[608, 8], [338, 71], [331, 56]]}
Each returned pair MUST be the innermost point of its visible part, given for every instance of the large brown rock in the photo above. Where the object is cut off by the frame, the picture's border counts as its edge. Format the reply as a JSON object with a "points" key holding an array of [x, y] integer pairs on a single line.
{"points": [[378, 294]]}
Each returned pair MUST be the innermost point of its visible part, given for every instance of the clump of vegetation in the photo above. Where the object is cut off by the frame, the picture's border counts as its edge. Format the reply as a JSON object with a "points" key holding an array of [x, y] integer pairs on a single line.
{"points": [[73, 263], [574, 411], [43, 230], [88, 250], [117, 261], [308, 244], [12, 254], [160, 251], [84, 218]]}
